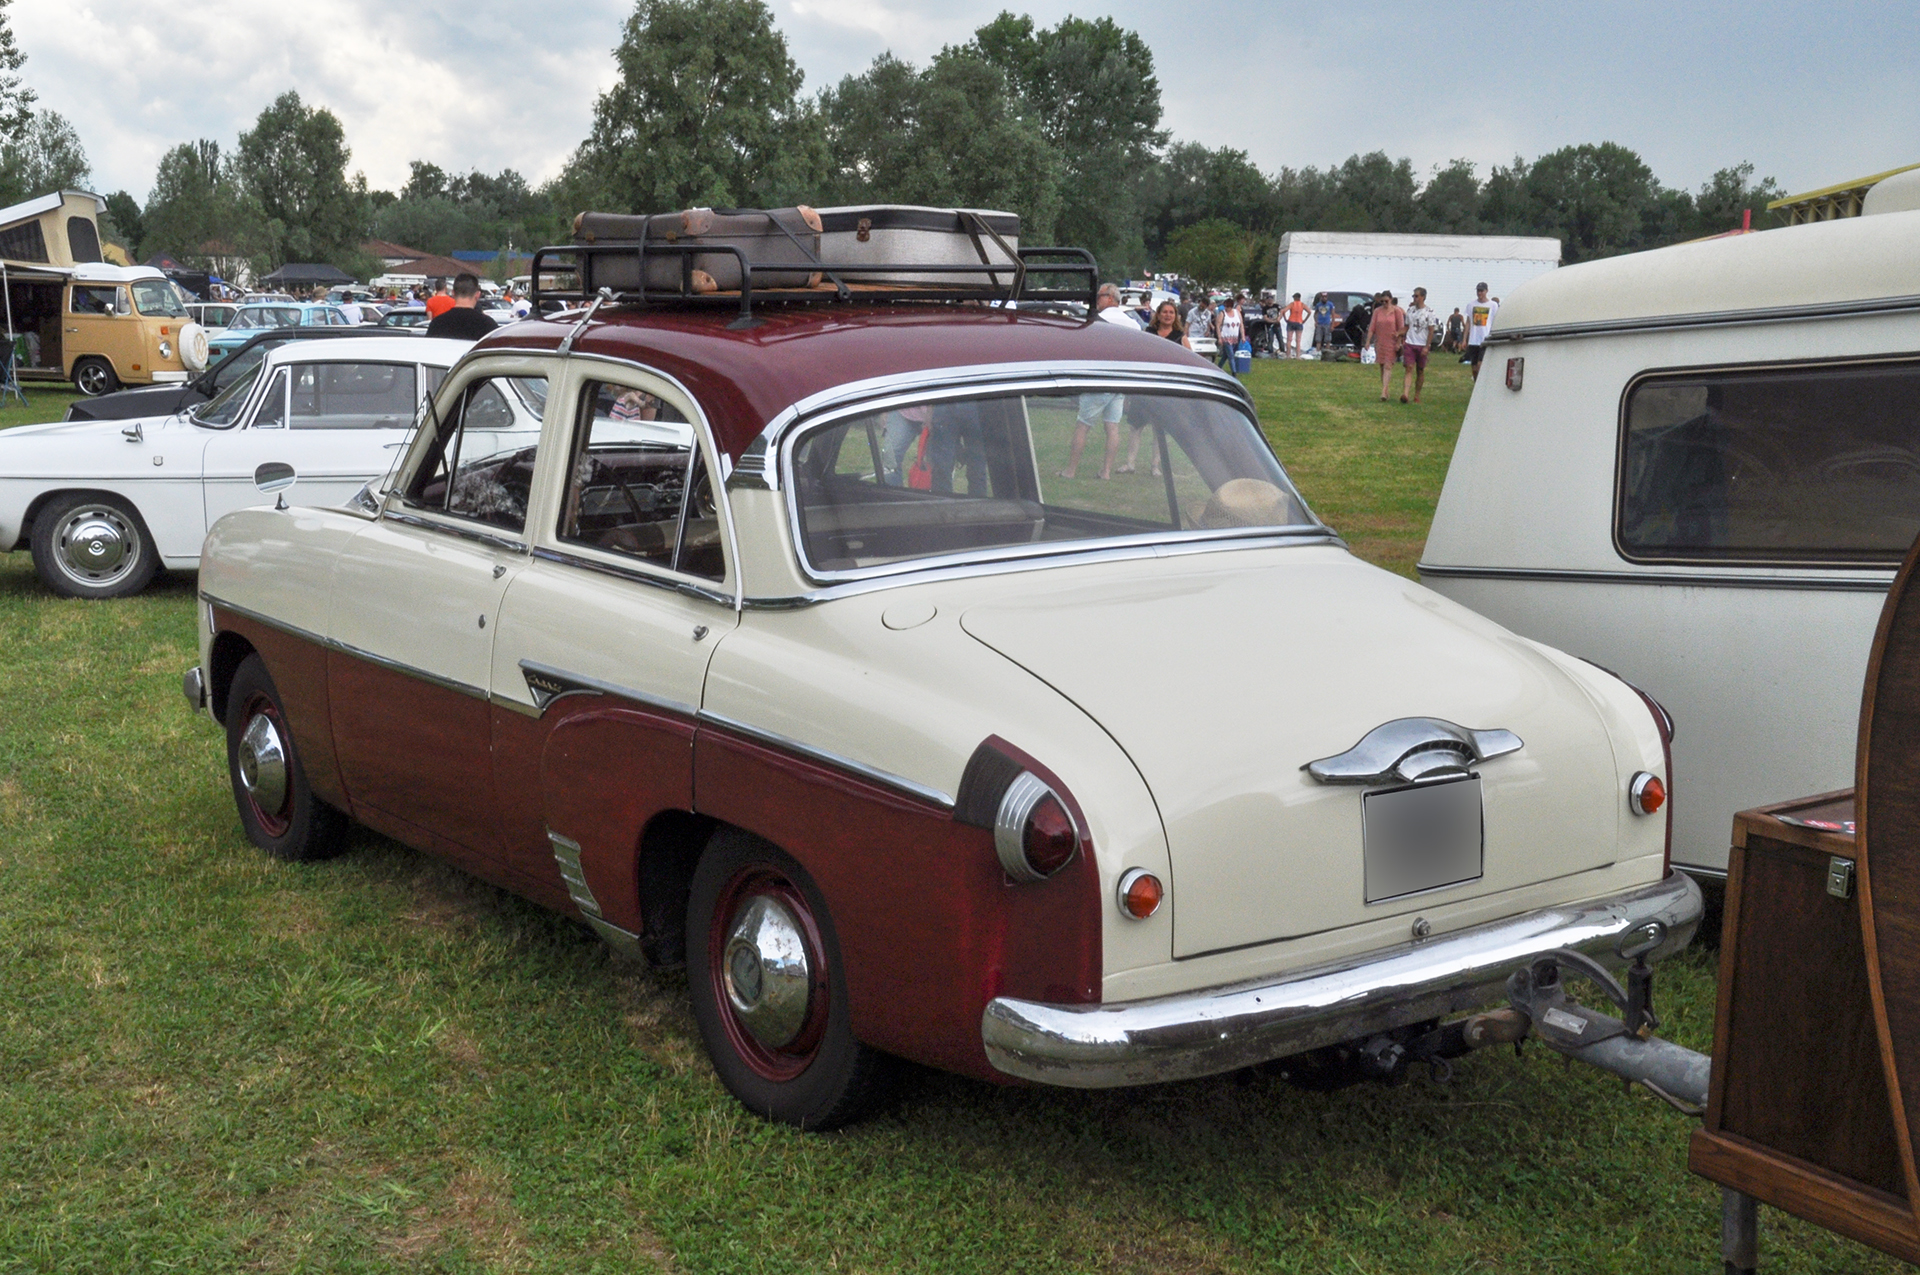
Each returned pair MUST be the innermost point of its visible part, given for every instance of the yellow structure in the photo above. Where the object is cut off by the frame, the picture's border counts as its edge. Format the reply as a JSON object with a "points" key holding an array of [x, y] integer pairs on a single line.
{"points": [[1831, 202]]}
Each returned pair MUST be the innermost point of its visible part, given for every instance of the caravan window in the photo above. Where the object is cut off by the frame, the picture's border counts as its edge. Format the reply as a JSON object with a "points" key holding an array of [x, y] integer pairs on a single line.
{"points": [[1789, 465]]}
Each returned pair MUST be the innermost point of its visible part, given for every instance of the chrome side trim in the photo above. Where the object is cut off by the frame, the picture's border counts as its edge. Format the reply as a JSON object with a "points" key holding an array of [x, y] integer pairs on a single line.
{"points": [[1878, 583], [556, 683], [1712, 318], [292, 630], [636, 575], [786, 743], [395, 666], [566, 853], [1110, 552], [464, 533], [1218, 1029]]}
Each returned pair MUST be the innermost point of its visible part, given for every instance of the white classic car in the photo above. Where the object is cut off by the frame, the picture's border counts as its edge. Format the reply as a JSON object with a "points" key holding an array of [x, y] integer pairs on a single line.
{"points": [[102, 505], [1700, 467], [813, 652]]}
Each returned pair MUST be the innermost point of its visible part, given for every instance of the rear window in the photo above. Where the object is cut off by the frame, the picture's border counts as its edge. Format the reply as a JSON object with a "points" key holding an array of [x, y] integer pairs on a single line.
{"points": [[1784, 465]]}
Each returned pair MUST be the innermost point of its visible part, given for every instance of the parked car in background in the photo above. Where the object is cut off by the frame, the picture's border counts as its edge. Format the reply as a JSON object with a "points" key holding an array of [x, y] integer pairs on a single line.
{"points": [[212, 315], [1699, 467], [164, 400], [251, 319], [791, 654], [102, 505], [410, 317], [255, 298], [126, 325], [499, 309], [1345, 303]]}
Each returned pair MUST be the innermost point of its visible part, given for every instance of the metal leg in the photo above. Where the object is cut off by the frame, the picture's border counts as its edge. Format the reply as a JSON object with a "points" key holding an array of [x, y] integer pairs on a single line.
{"points": [[1739, 1231]]}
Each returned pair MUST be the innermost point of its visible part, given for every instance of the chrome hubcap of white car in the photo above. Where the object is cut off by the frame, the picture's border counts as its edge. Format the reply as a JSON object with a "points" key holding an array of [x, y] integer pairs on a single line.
{"points": [[765, 969], [96, 545], [262, 763]]}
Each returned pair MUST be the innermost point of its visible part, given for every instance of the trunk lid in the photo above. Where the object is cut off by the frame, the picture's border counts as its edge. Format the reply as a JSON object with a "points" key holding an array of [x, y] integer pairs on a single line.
{"points": [[1221, 683]]}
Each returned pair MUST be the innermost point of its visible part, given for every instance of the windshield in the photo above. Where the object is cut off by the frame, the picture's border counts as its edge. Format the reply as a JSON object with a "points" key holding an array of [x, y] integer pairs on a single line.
{"points": [[979, 476], [157, 296], [219, 411]]}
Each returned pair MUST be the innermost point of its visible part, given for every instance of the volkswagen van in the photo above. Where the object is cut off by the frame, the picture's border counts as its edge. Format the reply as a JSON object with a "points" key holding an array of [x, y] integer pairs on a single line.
{"points": [[126, 325]]}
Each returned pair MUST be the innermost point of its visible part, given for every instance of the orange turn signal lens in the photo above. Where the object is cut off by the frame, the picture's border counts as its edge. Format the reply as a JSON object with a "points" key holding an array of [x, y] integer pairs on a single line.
{"points": [[1646, 794], [1140, 893]]}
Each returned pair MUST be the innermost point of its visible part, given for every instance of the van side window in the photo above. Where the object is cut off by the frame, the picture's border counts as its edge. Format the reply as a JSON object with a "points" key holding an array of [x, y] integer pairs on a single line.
{"points": [[97, 300], [1785, 465]]}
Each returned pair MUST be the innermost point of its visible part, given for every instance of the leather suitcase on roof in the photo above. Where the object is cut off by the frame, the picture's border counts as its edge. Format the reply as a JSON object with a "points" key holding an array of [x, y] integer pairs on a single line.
{"points": [[882, 234], [775, 237]]}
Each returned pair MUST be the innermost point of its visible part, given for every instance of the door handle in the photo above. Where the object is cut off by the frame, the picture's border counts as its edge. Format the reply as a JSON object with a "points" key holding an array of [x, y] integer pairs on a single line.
{"points": [[73, 330]]}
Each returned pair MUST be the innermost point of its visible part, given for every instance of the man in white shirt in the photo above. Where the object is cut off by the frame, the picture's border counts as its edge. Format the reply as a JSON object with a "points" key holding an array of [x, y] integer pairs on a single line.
{"points": [[1106, 305], [1422, 323], [351, 308], [1479, 323]]}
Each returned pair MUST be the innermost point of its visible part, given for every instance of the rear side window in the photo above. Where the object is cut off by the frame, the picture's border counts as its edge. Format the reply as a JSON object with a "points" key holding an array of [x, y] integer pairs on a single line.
{"points": [[1783, 465]]}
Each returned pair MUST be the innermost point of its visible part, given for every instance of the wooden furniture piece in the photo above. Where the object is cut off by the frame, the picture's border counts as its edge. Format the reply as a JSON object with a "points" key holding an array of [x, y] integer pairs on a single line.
{"points": [[1816, 1047]]}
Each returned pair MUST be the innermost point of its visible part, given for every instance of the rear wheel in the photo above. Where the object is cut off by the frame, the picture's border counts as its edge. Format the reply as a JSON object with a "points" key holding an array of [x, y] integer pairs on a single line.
{"points": [[94, 377], [764, 976], [277, 808], [92, 546]]}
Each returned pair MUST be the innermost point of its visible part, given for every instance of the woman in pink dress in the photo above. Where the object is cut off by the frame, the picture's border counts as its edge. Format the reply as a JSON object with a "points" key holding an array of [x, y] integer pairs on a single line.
{"points": [[1388, 325]]}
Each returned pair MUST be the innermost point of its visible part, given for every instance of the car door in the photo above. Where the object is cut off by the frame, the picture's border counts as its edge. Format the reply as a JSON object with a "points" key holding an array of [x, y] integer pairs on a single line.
{"points": [[605, 638], [413, 618], [339, 423]]}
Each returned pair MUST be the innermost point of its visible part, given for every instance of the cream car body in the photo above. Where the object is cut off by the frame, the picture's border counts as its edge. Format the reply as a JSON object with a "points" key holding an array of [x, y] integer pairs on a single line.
{"points": [[586, 727], [146, 490], [1812, 336]]}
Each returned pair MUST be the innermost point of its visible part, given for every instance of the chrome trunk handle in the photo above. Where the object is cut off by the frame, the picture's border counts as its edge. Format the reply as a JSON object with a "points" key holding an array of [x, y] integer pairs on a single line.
{"points": [[1412, 748]]}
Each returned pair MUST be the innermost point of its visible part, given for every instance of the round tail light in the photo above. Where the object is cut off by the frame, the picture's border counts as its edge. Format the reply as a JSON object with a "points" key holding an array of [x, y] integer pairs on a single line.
{"points": [[1646, 794], [1032, 832], [1140, 893]]}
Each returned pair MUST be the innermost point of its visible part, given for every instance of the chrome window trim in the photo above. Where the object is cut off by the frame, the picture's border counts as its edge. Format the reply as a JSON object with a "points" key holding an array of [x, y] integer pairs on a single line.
{"points": [[1710, 318], [786, 743], [1063, 382], [410, 519], [1109, 552], [1879, 582], [752, 471], [334, 644], [673, 583]]}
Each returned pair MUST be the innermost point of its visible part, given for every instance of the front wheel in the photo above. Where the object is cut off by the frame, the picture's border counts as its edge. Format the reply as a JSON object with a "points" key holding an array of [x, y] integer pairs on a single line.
{"points": [[92, 546], [277, 807], [768, 992], [94, 377]]}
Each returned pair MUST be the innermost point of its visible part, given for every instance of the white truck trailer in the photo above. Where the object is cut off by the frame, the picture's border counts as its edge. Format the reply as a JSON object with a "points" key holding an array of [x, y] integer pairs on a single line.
{"points": [[1447, 266]]}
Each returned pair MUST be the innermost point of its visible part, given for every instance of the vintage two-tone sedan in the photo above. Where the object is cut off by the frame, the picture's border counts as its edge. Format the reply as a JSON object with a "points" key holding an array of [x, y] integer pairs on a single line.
{"points": [[936, 681]]}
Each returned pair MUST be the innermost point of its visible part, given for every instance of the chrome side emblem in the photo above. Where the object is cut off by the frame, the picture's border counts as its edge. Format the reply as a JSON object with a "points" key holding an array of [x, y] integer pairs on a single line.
{"points": [[1409, 749]]}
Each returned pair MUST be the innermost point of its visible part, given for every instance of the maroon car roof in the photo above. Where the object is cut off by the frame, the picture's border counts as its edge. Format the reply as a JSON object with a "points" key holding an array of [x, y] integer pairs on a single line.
{"points": [[745, 378]]}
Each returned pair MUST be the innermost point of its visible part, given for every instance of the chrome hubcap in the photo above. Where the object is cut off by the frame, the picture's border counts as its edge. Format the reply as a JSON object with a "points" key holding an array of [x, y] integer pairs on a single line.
{"points": [[766, 972], [93, 379], [263, 764], [96, 544]]}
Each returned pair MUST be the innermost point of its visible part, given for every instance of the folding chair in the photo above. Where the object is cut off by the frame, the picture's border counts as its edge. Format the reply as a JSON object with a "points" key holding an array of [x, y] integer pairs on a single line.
{"points": [[9, 374]]}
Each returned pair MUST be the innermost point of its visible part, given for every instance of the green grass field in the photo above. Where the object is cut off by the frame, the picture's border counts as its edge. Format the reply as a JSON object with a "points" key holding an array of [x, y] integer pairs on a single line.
{"points": [[212, 1062]]}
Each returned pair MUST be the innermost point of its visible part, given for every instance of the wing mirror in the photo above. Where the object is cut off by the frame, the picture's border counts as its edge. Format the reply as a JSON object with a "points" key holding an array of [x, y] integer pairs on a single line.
{"points": [[275, 476], [132, 433]]}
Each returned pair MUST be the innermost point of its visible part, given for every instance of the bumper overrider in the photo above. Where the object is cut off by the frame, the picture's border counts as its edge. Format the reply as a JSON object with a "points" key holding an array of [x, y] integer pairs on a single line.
{"points": [[1219, 1029]]}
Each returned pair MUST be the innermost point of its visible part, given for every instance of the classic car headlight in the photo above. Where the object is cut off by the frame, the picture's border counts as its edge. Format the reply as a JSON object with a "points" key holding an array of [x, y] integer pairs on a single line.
{"points": [[1032, 830], [166, 350]]}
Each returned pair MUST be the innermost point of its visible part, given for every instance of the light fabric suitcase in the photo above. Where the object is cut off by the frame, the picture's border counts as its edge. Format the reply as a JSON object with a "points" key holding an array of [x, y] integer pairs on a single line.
{"points": [[884, 234], [782, 236]]}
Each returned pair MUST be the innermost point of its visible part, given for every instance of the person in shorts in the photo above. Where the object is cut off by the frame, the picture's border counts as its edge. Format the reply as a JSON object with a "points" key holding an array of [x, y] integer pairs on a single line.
{"points": [[1479, 323], [1096, 409], [1322, 322], [1422, 323], [1296, 316]]}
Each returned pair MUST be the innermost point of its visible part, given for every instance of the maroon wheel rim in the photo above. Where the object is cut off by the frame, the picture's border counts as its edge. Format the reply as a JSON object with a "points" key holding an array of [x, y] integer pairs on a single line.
{"points": [[787, 1061], [273, 822]]}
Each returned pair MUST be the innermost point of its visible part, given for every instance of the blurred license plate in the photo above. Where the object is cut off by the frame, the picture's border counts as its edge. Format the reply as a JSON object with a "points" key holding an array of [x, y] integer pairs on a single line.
{"points": [[1422, 837]]}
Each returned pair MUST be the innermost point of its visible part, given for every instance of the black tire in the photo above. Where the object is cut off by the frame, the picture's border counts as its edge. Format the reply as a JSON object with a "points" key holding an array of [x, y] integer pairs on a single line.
{"points": [[92, 545], [94, 377], [822, 1077], [277, 807]]}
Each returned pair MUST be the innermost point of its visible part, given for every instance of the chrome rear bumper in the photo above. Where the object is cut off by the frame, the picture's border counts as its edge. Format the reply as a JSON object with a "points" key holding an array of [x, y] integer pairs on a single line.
{"points": [[1221, 1029]]}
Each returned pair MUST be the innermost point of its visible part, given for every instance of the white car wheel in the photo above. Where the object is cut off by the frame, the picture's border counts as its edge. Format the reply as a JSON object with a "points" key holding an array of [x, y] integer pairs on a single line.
{"points": [[193, 347], [92, 547]]}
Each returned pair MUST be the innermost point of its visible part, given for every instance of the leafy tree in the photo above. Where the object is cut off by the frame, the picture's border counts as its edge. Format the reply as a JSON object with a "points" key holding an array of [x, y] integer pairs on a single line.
{"points": [[1597, 200], [706, 112], [46, 156], [1729, 194], [1214, 252], [1192, 183], [435, 212], [947, 136], [291, 169], [16, 99], [1091, 88], [1449, 204], [123, 222], [193, 200]]}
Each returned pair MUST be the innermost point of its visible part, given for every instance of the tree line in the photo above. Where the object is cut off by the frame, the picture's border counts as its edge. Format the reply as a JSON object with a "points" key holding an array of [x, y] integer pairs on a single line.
{"points": [[1061, 125]]}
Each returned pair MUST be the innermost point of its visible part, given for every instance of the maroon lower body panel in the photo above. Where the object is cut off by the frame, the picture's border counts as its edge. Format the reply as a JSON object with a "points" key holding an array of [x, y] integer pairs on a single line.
{"points": [[929, 927], [298, 667]]}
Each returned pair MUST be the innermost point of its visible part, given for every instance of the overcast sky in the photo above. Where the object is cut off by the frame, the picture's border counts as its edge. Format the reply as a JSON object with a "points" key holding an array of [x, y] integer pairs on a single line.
{"points": [[1811, 93]]}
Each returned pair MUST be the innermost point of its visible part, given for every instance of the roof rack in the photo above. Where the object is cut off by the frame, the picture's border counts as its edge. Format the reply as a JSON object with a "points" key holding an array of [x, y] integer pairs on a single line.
{"points": [[1002, 282]]}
